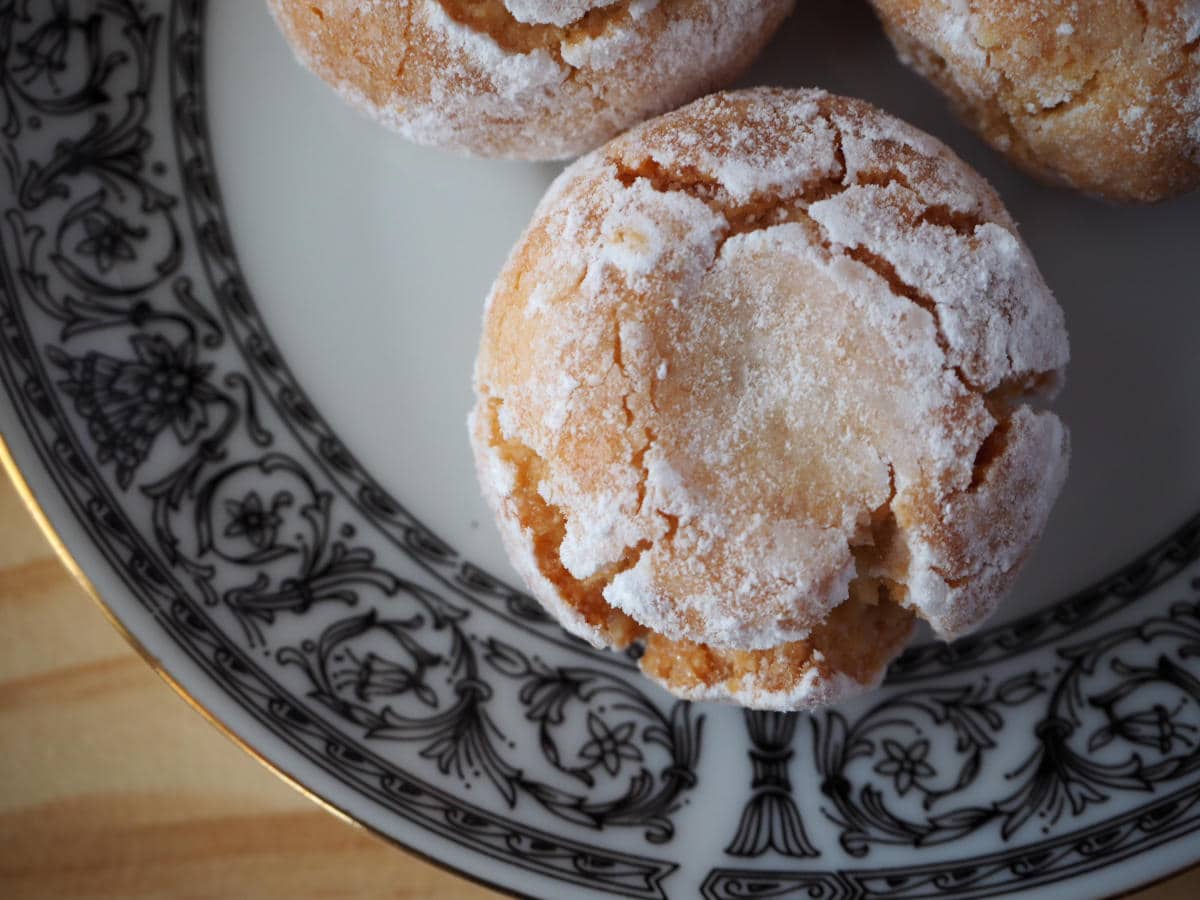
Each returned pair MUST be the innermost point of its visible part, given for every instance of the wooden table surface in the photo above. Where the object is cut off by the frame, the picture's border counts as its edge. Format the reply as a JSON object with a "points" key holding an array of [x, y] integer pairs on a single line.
{"points": [[111, 786]]}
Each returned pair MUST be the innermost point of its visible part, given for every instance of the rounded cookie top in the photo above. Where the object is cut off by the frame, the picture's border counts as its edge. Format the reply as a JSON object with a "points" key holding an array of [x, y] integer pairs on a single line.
{"points": [[530, 79], [1101, 96], [758, 369]]}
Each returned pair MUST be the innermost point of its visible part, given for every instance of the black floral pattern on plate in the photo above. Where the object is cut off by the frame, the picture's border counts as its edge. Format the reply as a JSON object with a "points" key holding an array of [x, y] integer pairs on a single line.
{"points": [[127, 403], [149, 386]]}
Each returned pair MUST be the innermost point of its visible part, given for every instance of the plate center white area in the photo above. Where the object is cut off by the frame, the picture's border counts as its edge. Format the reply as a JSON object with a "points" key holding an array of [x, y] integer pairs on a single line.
{"points": [[369, 259]]}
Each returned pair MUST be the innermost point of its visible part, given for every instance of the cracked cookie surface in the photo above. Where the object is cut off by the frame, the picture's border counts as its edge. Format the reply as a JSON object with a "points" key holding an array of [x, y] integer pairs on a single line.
{"points": [[758, 387], [1102, 96], [531, 79]]}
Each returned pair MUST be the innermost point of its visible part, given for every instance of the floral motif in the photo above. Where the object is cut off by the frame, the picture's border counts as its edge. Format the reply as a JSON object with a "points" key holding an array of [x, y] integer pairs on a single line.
{"points": [[609, 746], [906, 765], [1155, 727], [374, 676], [258, 524], [45, 50], [1150, 724], [460, 737], [127, 403], [568, 702], [1120, 678], [108, 239]]}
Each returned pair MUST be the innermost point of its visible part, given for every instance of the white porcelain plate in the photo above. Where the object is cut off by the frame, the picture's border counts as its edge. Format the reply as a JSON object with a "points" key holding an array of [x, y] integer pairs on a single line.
{"points": [[236, 331]]}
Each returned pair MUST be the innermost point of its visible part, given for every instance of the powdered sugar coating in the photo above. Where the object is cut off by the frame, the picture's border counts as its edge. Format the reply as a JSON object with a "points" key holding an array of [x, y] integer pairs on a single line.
{"points": [[984, 283], [553, 12], [531, 79], [783, 345], [1101, 96]]}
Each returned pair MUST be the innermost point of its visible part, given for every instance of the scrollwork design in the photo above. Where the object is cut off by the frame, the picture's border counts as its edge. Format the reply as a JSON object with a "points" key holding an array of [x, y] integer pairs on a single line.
{"points": [[1107, 728], [119, 238], [601, 733], [379, 673], [1104, 729], [267, 515], [596, 735]]}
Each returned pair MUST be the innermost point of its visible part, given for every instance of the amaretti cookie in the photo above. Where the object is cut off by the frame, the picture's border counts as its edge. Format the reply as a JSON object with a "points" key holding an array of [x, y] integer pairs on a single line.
{"points": [[759, 386], [1102, 95], [531, 79]]}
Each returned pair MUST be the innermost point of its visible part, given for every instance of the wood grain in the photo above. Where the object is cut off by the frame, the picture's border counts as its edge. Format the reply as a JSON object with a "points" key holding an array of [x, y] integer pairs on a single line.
{"points": [[111, 787]]}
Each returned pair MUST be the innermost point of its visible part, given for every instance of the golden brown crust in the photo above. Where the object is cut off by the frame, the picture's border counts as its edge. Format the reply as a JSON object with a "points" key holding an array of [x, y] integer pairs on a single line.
{"points": [[1101, 96], [468, 75], [843, 654], [751, 390]]}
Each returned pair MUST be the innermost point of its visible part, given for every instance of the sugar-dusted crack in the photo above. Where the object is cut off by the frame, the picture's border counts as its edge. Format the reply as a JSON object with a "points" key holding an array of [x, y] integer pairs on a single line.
{"points": [[758, 213], [961, 222], [900, 288], [672, 525], [764, 211], [1078, 97], [618, 362], [547, 524], [839, 149], [638, 458], [1143, 14], [492, 18], [990, 450], [406, 41], [629, 417], [1008, 94], [1030, 389], [1026, 390], [650, 437], [639, 462], [1017, 390], [618, 351], [952, 582], [880, 561], [884, 178]]}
